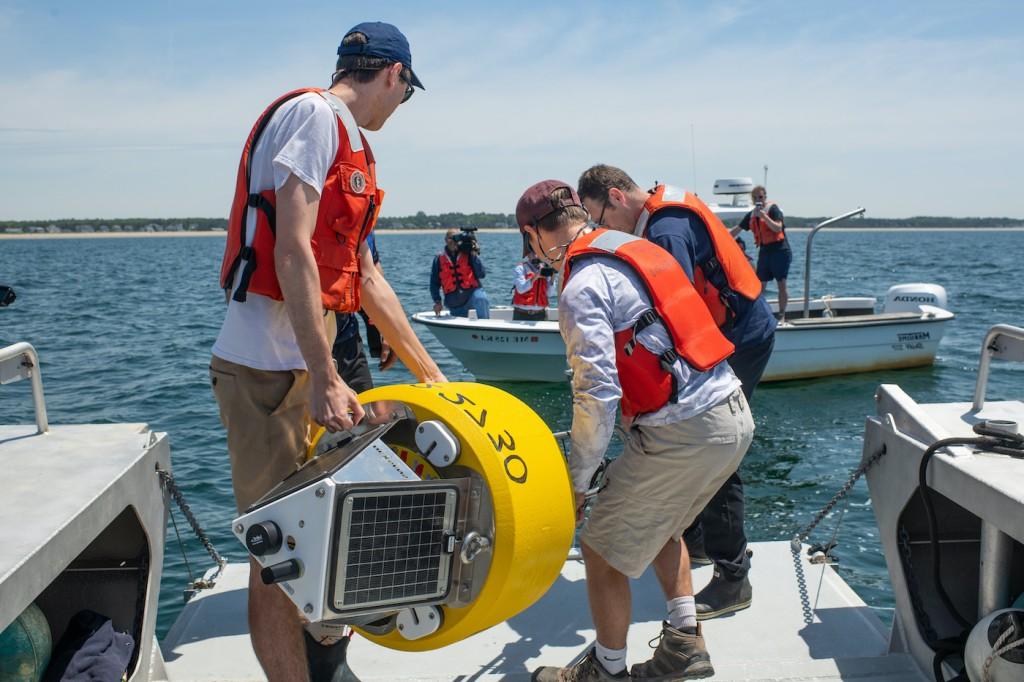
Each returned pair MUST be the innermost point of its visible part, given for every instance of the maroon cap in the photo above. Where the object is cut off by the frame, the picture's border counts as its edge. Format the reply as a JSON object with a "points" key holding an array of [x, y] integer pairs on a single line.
{"points": [[536, 202]]}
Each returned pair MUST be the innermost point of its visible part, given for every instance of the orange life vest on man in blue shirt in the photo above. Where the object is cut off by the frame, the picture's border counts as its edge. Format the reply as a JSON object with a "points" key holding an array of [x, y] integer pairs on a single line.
{"points": [[736, 274], [456, 276], [762, 233], [349, 203], [646, 379]]}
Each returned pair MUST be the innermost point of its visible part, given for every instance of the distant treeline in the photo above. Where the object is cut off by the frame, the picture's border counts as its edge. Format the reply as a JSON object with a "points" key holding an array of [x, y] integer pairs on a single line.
{"points": [[423, 220]]}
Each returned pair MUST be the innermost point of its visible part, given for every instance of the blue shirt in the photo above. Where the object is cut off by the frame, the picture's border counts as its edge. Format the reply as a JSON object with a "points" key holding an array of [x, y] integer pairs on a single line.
{"points": [[680, 232], [459, 297]]}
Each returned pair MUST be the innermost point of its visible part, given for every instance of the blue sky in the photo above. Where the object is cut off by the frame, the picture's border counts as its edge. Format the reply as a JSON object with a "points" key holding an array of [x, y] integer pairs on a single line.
{"points": [[119, 109]]}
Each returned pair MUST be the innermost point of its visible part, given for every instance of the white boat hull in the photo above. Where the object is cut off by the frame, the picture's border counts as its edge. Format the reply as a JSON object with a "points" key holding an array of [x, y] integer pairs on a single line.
{"points": [[500, 349]]}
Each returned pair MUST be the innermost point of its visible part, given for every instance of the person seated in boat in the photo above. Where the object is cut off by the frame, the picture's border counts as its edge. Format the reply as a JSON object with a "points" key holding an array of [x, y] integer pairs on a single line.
{"points": [[456, 272], [532, 280], [683, 225], [768, 224], [306, 170], [639, 337]]}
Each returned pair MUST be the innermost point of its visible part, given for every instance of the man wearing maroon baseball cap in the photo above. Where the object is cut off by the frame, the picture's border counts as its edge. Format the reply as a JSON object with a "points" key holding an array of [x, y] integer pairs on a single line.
{"points": [[637, 336]]}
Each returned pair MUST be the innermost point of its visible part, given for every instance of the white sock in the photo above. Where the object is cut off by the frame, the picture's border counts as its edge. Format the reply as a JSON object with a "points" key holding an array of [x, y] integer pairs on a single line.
{"points": [[682, 612], [612, 660]]}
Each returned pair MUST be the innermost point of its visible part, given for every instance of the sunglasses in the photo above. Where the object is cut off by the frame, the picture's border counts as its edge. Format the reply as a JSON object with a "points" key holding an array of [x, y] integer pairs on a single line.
{"points": [[409, 90]]}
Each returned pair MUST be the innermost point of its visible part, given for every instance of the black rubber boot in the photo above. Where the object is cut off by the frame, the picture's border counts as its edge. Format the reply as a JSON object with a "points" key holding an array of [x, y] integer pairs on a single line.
{"points": [[328, 663], [722, 596]]}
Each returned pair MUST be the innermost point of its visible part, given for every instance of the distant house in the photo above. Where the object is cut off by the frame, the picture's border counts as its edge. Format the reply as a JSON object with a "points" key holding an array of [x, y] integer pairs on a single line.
{"points": [[13, 230]]}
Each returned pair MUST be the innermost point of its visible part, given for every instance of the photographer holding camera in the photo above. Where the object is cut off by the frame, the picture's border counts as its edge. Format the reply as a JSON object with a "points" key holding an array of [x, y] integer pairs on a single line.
{"points": [[532, 281], [457, 272], [774, 255]]}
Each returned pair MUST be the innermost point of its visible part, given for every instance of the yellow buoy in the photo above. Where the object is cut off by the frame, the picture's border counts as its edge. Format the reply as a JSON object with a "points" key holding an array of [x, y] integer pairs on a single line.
{"points": [[503, 441]]}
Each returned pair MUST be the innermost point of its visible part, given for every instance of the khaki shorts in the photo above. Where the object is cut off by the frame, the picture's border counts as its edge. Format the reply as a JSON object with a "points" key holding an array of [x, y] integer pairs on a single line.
{"points": [[266, 415], [666, 475]]}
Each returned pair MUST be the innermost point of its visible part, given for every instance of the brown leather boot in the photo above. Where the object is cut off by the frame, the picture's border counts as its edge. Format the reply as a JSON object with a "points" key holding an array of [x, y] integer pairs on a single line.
{"points": [[679, 656]]}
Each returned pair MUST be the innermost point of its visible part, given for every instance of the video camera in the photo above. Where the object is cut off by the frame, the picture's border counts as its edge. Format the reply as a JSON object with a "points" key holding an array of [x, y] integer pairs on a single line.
{"points": [[545, 269], [466, 241]]}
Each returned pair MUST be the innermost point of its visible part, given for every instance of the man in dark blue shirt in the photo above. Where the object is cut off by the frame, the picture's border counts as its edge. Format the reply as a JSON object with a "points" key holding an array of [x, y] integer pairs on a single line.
{"points": [[615, 201], [348, 345], [767, 223]]}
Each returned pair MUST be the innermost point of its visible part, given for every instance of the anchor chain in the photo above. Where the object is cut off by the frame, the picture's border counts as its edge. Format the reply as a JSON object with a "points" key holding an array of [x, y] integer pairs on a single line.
{"points": [[916, 604], [168, 482], [805, 532]]}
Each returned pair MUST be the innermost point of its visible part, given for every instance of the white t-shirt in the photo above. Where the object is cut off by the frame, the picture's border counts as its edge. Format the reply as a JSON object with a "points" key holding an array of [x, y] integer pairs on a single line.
{"points": [[301, 139]]}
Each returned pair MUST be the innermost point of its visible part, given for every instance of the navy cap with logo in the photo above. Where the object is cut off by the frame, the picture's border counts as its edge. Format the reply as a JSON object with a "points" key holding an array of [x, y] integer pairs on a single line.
{"points": [[384, 41]]}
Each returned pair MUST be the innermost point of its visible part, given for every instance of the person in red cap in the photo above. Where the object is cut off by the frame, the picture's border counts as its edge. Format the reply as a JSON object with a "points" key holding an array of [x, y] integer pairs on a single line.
{"points": [[306, 197], [639, 337]]}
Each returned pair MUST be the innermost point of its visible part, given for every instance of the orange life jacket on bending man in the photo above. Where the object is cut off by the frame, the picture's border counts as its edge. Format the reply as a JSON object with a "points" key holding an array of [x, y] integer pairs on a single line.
{"points": [[349, 204], [762, 233], [457, 276], [647, 381], [728, 267]]}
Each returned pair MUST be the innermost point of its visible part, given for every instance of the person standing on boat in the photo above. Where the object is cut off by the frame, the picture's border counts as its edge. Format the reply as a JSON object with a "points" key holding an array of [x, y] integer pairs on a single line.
{"points": [[531, 281], [637, 335], [456, 272], [348, 350], [767, 223], [306, 197], [684, 226]]}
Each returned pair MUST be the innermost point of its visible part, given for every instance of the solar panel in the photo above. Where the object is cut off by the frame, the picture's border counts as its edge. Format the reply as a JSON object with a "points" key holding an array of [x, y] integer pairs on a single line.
{"points": [[391, 547]]}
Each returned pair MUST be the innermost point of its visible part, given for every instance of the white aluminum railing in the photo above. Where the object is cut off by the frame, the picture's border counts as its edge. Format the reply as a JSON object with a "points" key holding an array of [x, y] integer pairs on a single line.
{"points": [[807, 260], [20, 361]]}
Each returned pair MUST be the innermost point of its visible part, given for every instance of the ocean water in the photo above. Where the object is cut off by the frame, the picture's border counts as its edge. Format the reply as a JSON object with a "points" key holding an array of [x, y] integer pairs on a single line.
{"points": [[124, 328]]}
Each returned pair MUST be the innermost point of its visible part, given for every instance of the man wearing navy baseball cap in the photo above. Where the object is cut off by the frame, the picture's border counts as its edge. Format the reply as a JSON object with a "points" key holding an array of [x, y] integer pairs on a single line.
{"points": [[306, 197]]}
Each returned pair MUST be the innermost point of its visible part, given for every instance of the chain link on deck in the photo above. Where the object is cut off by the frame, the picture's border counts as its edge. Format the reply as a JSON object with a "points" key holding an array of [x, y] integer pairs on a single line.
{"points": [[805, 532], [168, 482]]}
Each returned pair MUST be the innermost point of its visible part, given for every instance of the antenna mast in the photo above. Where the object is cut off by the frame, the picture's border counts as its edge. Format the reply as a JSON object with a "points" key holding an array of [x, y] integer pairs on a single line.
{"points": [[765, 183]]}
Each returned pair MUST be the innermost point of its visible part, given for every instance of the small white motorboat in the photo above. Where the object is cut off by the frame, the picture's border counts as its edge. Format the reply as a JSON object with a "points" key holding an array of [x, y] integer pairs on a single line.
{"points": [[832, 335], [843, 335]]}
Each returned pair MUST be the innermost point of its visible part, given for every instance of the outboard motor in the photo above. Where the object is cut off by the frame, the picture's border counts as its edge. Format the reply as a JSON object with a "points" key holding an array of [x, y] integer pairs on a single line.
{"points": [[907, 298], [446, 511]]}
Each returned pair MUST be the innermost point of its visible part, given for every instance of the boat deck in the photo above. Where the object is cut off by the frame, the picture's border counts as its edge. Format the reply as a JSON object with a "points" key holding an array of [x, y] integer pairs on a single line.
{"points": [[778, 638]]}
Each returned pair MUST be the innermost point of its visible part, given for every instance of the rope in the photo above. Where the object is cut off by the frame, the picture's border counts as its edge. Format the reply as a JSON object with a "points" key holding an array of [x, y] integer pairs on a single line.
{"points": [[999, 649]]}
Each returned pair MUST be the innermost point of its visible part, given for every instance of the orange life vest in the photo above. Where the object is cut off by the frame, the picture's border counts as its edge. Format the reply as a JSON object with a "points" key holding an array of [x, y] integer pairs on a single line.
{"points": [[728, 266], [457, 276], [536, 296], [349, 203], [646, 379], [762, 233]]}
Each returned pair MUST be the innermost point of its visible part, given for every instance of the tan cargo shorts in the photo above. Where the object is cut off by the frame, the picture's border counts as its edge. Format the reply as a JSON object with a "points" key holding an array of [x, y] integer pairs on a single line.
{"points": [[666, 475], [266, 415]]}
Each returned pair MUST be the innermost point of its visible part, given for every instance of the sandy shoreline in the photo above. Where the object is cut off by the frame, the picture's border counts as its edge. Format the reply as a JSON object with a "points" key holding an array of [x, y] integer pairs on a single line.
{"points": [[222, 233]]}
